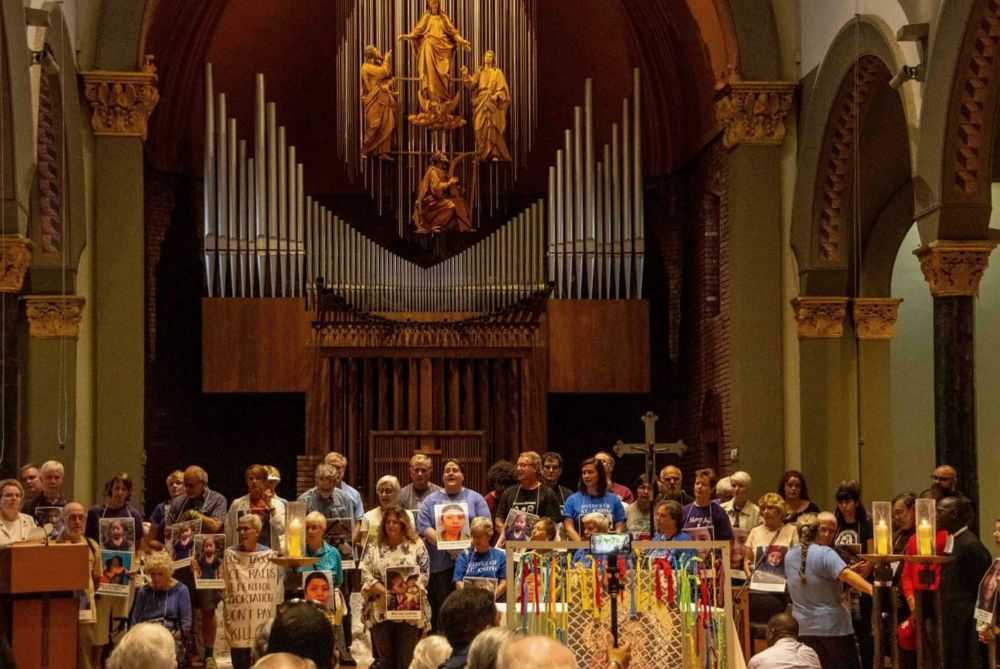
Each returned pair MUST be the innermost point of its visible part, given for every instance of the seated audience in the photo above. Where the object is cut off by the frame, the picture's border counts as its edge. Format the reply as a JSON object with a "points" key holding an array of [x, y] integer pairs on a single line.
{"points": [[431, 652], [464, 615], [284, 661], [301, 629], [784, 648], [146, 645], [486, 646], [164, 599]]}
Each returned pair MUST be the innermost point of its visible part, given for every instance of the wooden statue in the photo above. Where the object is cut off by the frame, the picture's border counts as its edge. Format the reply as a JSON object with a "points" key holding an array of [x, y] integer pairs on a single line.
{"points": [[379, 98], [434, 39], [440, 206], [490, 101]]}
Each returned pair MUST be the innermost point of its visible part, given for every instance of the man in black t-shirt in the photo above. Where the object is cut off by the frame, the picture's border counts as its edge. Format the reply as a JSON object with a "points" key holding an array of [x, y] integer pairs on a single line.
{"points": [[530, 495]]}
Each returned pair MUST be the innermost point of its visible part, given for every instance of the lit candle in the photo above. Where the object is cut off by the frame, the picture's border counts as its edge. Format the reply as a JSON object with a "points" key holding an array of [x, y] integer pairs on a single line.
{"points": [[295, 538], [925, 544], [882, 538]]}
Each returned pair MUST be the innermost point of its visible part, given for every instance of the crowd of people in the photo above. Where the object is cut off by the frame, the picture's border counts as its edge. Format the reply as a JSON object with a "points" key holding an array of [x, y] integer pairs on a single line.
{"points": [[424, 560]]}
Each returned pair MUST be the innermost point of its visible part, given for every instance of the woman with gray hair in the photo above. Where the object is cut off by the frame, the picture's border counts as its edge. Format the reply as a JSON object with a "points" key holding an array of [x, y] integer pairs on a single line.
{"points": [[430, 652], [246, 557], [814, 573], [743, 513], [387, 488], [146, 645], [481, 561], [164, 599]]}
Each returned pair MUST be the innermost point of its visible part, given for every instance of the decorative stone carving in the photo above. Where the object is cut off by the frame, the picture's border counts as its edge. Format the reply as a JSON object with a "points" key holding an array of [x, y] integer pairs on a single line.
{"points": [[954, 268], [54, 316], [15, 257], [753, 112], [820, 317], [875, 317], [837, 162], [122, 101]]}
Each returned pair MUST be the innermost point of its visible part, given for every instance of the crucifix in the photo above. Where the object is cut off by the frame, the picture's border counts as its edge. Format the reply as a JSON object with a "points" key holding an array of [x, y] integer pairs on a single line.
{"points": [[649, 449]]}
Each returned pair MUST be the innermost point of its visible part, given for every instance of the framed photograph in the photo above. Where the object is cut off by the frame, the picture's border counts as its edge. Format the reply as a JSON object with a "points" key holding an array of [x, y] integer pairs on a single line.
{"points": [[117, 534], [317, 586], [88, 608], [487, 584], [340, 535], [50, 518], [517, 527], [182, 542], [736, 556], [769, 575], [209, 550], [402, 593], [451, 521], [115, 578], [986, 600]]}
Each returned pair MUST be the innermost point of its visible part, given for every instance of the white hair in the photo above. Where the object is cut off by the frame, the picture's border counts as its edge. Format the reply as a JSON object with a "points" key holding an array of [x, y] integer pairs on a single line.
{"points": [[430, 652], [723, 486], [390, 480], [742, 477], [146, 645], [485, 648], [535, 652], [284, 661], [52, 466]]}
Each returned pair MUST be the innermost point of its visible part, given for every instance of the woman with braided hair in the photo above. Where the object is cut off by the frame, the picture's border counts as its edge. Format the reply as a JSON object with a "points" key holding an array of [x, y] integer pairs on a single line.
{"points": [[815, 572]]}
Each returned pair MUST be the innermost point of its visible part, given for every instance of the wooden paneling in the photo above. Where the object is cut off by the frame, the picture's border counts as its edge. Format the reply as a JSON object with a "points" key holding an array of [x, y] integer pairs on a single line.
{"points": [[255, 345], [598, 346]]}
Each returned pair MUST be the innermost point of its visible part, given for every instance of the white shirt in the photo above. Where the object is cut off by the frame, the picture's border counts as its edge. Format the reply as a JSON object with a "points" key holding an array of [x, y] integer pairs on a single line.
{"points": [[786, 654], [16, 530], [749, 514]]}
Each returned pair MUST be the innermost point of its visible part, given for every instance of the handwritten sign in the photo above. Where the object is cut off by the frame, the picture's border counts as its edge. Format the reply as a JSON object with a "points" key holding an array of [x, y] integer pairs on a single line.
{"points": [[254, 588]]}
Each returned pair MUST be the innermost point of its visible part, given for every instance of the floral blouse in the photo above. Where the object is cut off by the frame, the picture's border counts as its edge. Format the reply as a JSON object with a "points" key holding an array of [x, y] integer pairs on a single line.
{"points": [[377, 559]]}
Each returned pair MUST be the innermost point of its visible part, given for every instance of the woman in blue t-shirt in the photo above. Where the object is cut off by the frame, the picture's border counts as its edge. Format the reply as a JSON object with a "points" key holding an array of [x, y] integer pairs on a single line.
{"points": [[594, 497], [482, 561]]}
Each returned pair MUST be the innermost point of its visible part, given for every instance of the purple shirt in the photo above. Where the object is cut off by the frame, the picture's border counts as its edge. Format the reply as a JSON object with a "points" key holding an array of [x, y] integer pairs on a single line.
{"points": [[711, 517]]}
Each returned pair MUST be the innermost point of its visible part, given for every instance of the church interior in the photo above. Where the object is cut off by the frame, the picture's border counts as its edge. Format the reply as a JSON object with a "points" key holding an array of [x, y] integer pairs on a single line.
{"points": [[232, 233]]}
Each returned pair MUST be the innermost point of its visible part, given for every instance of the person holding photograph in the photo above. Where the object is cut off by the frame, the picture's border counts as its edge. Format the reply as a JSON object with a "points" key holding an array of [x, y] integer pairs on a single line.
{"points": [[248, 529], [270, 510], [593, 496], [74, 520], [480, 560], [453, 523], [175, 487], [329, 560], [184, 544], [774, 532], [117, 493], [530, 495], [443, 562], [518, 528], [114, 571], [398, 546], [387, 490], [15, 526]]}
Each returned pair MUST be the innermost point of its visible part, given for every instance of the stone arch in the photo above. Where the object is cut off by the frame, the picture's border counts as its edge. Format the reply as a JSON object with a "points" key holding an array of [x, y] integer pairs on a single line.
{"points": [[18, 152], [62, 129], [850, 93], [952, 182]]}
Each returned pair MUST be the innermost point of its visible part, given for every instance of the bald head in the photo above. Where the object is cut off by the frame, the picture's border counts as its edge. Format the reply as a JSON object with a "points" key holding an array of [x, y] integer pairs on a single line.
{"points": [[284, 661], [535, 652], [782, 626], [945, 479]]}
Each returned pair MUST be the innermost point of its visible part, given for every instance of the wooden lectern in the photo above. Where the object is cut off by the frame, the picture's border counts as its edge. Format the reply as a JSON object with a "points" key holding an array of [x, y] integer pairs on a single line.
{"points": [[39, 608]]}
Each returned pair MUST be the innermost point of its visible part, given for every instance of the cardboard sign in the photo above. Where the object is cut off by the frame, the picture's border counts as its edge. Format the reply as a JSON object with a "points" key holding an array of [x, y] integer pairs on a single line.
{"points": [[254, 588]]}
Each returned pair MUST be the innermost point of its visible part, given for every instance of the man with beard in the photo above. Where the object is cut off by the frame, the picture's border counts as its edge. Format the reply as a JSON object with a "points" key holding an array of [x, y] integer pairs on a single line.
{"points": [[671, 479]]}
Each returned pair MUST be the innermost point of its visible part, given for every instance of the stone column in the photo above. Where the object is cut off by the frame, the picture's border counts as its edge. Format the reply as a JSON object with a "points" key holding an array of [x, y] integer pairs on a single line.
{"points": [[826, 393], [752, 115], [15, 257], [122, 102], [874, 327], [953, 270]]}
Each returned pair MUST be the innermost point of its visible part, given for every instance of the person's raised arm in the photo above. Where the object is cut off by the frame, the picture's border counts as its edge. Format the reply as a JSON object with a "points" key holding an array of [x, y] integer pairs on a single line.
{"points": [[853, 579]]}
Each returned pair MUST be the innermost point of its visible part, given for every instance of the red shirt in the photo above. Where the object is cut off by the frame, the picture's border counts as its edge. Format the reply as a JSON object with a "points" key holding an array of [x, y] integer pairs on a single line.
{"points": [[910, 580]]}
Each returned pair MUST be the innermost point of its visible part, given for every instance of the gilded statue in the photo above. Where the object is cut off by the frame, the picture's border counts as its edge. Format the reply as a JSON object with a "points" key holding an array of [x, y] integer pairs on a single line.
{"points": [[434, 39], [379, 98], [440, 206], [490, 100]]}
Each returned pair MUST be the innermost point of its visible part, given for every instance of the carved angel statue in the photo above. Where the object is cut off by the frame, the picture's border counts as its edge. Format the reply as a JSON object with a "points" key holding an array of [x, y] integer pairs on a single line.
{"points": [[434, 39], [440, 206], [490, 101], [379, 98]]}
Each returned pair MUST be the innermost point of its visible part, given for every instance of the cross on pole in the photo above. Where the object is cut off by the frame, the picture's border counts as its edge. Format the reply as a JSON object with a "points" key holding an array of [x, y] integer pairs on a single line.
{"points": [[649, 449]]}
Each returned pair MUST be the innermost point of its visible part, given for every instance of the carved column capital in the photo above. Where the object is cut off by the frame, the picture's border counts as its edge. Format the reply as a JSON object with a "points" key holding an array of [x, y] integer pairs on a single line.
{"points": [[820, 317], [954, 268], [122, 101], [15, 257], [753, 112], [875, 317], [54, 316]]}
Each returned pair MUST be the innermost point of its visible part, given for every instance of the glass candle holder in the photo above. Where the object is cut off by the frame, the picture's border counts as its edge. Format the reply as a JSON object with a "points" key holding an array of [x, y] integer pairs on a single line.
{"points": [[882, 527], [295, 528], [926, 526]]}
